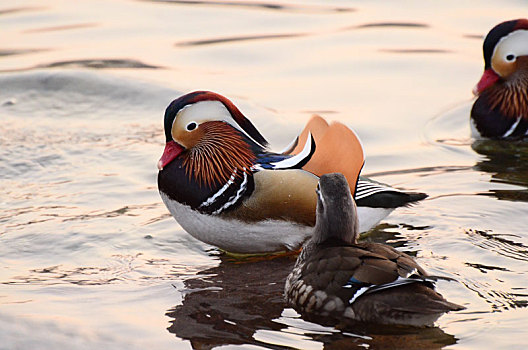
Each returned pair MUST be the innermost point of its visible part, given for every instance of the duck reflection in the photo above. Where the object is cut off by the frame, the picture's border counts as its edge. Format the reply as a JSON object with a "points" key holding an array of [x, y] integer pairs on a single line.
{"points": [[231, 303], [228, 303], [386, 337], [507, 162]]}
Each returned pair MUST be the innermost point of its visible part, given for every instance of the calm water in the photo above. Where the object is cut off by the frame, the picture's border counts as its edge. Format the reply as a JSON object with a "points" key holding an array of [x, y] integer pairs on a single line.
{"points": [[89, 256]]}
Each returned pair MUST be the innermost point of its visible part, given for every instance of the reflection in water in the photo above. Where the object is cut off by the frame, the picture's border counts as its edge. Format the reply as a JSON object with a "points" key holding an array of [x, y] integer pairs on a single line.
{"points": [[385, 337], [242, 303], [507, 162], [228, 303], [84, 240]]}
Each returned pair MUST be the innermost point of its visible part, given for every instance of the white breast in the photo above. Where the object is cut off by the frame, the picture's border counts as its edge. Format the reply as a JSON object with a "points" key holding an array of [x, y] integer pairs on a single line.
{"points": [[235, 236], [370, 217]]}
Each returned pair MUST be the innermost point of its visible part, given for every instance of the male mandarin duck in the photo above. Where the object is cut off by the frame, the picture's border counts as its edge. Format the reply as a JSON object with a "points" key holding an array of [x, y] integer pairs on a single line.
{"points": [[501, 109], [339, 279], [223, 186]]}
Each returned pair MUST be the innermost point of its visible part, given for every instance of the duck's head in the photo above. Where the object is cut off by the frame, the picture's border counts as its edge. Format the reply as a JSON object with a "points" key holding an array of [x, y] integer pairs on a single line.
{"points": [[336, 215], [505, 55], [211, 133]]}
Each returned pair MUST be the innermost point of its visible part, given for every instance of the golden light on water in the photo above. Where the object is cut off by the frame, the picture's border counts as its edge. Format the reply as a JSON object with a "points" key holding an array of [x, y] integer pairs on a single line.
{"points": [[88, 251]]}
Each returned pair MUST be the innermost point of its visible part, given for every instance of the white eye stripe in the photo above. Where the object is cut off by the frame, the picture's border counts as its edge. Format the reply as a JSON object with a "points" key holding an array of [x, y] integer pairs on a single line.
{"points": [[204, 111], [513, 44]]}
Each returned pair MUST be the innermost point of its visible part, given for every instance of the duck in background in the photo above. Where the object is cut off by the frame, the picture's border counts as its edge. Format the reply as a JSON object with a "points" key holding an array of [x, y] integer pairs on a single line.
{"points": [[220, 182], [501, 109], [336, 277]]}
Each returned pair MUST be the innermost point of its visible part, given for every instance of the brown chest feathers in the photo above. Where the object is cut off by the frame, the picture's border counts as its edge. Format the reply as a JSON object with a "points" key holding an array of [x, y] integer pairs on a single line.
{"points": [[511, 97], [217, 154]]}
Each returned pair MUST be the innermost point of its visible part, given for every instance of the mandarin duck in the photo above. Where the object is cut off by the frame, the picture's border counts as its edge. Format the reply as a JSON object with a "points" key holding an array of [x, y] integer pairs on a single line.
{"points": [[501, 109], [336, 278], [220, 182]]}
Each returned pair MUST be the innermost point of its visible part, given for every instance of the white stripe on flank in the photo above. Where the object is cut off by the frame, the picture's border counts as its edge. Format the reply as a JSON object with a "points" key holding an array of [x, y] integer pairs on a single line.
{"points": [[211, 199], [235, 198], [513, 127]]}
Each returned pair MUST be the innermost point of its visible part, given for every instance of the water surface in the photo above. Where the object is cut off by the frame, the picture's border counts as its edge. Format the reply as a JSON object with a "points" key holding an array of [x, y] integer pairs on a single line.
{"points": [[90, 256]]}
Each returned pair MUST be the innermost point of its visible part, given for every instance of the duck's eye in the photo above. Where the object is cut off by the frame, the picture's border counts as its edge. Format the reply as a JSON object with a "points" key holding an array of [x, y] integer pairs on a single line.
{"points": [[191, 126], [510, 58]]}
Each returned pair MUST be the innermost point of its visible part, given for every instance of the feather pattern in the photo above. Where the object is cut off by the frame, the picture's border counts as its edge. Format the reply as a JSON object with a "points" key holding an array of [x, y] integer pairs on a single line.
{"points": [[510, 98], [274, 161], [217, 154], [368, 188], [335, 276], [372, 194]]}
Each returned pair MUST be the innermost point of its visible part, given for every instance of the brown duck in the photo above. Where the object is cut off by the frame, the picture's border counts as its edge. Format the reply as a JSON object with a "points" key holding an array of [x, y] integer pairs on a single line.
{"points": [[336, 277]]}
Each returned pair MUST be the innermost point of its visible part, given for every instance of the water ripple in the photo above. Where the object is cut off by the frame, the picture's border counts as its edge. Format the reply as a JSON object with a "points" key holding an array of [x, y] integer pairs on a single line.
{"points": [[119, 268], [60, 28], [238, 38], [416, 51], [392, 25], [499, 245], [261, 6]]}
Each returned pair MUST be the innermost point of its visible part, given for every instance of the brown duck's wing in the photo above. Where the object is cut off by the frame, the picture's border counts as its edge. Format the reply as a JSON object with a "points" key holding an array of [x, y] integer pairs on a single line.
{"points": [[329, 269], [361, 265], [406, 264], [377, 266], [338, 150], [280, 195], [372, 284]]}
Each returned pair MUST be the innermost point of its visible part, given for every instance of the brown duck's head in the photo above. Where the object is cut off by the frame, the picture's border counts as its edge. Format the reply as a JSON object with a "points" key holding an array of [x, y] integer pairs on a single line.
{"points": [[505, 55], [211, 135], [336, 215]]}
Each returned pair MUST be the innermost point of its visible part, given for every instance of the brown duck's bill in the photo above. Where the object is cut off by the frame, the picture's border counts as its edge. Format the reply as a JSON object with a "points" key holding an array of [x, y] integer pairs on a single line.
{"points": [[171, 151], [489, 77]]}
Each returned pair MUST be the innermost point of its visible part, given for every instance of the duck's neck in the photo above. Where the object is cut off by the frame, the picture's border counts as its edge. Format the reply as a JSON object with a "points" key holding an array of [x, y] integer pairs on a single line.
{"points": [[337, 223]]}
